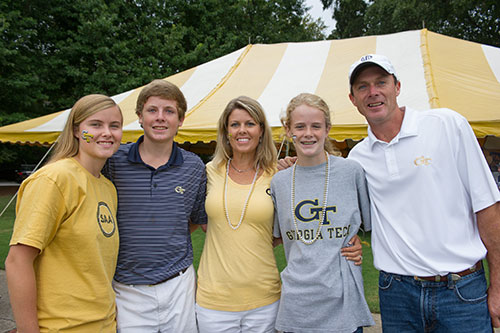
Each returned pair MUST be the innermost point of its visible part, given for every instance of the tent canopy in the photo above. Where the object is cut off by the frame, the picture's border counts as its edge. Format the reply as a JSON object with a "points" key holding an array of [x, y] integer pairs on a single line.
{"points": [[435, 71]]}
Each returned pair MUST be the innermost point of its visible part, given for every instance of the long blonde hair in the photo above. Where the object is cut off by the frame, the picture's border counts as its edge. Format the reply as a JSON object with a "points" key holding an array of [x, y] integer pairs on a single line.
{"points": [[67, 144], [313, 101], [266, 153]]}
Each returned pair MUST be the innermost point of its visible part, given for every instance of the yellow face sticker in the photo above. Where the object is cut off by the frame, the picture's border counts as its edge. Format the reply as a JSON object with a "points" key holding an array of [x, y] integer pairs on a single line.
{"points": [[86, 136]]}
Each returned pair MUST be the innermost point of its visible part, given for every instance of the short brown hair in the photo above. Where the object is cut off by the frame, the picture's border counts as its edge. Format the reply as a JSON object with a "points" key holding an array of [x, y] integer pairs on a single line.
{"points": [[163, 89]]}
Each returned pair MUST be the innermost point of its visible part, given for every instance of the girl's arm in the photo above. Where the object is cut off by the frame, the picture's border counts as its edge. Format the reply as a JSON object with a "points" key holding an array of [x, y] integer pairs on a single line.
{"points": [[22, 286]]}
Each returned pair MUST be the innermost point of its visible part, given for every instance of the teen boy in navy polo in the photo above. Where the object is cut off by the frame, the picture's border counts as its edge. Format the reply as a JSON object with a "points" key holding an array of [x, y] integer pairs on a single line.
{"points": [[435, 210], [161, 189]]}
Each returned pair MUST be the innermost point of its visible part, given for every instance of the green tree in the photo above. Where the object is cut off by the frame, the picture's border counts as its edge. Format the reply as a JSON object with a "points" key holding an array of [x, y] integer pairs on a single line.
{"points": [[216, 29], [349, 17], [474, 20], [55, 51], [17, 50]]}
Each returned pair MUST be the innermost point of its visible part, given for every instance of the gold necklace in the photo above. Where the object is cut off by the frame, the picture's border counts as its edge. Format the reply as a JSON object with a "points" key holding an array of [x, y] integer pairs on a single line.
{"points": [[246, 201], [325, 199]]}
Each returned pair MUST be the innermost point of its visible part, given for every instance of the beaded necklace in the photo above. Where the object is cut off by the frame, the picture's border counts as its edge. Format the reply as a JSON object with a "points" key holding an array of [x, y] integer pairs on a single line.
{"points": [[325, 199], [246, 201]]}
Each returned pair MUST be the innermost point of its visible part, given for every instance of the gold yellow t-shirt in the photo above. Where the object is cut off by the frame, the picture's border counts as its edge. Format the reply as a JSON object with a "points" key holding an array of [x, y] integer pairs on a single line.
{"points": [[237, 269], [69, 215]]}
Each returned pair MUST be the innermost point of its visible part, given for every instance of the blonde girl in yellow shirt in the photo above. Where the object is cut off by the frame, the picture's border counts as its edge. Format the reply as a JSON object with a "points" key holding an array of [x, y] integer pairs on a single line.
{"points": [[64, 245]]}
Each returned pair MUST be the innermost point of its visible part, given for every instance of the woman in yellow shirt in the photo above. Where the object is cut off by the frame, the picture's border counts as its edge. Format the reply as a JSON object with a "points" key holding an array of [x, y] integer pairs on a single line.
{"points": [[64, 245], [238, 281]]}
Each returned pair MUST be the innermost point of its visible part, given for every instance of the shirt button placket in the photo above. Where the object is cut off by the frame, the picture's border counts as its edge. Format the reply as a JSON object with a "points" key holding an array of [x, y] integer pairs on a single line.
{"points": [[390, 160], [154, 183]]}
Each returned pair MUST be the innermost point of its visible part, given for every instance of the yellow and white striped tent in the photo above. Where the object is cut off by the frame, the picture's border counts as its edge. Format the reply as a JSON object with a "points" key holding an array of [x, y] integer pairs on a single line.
{"points": [[435, 71]]}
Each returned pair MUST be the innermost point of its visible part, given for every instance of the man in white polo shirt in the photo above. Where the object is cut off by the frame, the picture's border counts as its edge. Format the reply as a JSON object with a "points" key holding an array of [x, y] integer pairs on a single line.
{"points": [[435, 210]]}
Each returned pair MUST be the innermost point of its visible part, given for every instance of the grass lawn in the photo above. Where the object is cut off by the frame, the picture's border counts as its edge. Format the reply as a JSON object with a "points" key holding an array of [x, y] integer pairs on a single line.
{"points": [[198, 238], [370, 274], [6, 223]]}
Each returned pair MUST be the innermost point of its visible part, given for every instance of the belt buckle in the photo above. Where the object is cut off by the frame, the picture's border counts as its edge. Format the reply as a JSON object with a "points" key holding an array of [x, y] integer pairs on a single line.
{"points": [[436, 278], [170, 277]]}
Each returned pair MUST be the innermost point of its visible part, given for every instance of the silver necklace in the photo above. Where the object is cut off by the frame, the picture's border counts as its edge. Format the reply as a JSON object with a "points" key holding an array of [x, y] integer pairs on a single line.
{"points": [[241, 171], [325, 199], [246, 201]]}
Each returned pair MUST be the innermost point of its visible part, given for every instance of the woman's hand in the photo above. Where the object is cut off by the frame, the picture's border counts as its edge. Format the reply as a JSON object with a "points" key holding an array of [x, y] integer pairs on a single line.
{"points": [[354, 252]]}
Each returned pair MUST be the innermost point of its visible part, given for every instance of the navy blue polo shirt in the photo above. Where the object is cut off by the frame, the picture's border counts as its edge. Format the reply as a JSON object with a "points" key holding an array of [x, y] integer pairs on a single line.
{"points": [[154, 210]]}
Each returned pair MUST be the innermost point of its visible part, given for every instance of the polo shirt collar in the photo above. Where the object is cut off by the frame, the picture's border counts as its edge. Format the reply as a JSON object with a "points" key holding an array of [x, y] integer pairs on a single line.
{"points": [[409, 127], [175, 157]]}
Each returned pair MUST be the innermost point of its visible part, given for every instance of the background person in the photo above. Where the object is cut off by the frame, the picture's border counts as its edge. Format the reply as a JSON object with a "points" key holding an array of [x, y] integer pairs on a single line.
{"points": [[64, 246], [320, 204], [161, 189], [435, 210]]}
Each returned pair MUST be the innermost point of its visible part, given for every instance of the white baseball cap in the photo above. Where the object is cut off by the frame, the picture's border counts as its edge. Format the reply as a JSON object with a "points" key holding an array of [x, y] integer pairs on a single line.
{"points": [[369, 59]]}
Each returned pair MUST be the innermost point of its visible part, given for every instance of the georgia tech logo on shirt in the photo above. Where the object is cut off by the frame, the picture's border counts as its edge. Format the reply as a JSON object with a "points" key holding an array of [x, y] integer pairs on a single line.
{"points": [[310, 210], [105, 219], [421, 160], [313, 211], [179, 189]]}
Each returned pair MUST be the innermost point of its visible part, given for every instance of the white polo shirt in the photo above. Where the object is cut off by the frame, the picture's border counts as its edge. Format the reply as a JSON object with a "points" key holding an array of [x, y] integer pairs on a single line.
{"points": [[425, 187]]}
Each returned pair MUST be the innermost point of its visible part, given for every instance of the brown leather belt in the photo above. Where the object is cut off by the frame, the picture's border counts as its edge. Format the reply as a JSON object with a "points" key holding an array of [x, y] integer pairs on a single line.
{"points": [[170, 277], [455, 276]]}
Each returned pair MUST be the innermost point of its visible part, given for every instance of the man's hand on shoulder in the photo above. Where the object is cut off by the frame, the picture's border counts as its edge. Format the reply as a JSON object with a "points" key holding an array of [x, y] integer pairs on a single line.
{"points": [[286, 162]]}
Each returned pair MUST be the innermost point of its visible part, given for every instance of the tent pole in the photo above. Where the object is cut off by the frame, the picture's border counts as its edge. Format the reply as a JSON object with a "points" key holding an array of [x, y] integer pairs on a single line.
{"points": [[36, 167], [281, 146]]}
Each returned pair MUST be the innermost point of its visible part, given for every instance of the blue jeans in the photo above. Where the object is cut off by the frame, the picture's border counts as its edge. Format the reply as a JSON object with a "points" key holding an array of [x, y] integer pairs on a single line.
{"points": [[359, 330], [410, 305]]}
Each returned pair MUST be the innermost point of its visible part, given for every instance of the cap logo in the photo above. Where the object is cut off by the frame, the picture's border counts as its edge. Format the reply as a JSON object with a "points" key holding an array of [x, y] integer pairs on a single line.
{"points": [[366, 57]]}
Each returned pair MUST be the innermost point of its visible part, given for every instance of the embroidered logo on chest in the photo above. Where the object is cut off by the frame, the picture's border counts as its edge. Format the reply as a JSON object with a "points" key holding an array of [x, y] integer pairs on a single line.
{"points": [[421, 160], [179, 189]]}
